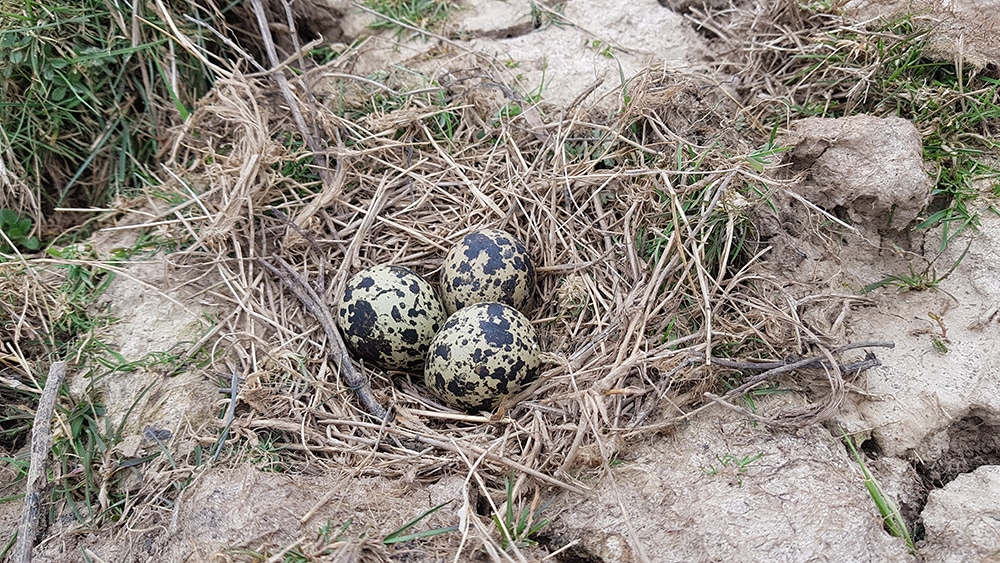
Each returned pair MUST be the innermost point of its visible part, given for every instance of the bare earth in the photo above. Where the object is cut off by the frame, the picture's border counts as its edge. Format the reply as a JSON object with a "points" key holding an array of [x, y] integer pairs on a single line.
{"points": [[925, 416]]}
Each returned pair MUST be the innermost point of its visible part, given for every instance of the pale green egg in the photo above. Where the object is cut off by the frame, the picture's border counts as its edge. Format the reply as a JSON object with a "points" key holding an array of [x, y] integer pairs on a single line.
{"points": [[484, 352], [487, 266], [389, 315]]}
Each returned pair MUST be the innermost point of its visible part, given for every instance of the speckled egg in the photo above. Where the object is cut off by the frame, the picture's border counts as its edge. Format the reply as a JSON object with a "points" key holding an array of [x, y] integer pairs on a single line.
{"points": [[487, 266], [484, 352], [389, 316]]}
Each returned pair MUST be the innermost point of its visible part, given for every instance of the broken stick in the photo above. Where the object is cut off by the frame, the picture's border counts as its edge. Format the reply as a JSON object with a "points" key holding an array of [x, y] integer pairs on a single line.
{"points": [[41, 441], [337, 351], [775, 368]]}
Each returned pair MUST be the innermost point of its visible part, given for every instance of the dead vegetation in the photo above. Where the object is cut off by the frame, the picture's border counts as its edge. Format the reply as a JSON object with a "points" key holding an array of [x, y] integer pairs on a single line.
{"points": [[639, 223], [643, 225]]}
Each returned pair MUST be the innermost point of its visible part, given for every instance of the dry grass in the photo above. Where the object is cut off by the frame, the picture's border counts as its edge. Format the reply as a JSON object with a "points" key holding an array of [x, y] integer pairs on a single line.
{"points": [[641, 225], [32, 301]]}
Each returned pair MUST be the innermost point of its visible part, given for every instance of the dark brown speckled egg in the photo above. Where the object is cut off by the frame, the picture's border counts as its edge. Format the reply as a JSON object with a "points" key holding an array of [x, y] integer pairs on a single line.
{"points": [[488, 266], [389, 316], [484, 352]]}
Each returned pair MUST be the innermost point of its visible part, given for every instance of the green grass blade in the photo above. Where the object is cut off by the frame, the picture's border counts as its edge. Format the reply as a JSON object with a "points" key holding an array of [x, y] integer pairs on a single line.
{"points": [[891, 515], [419, 535], [395, 537]]}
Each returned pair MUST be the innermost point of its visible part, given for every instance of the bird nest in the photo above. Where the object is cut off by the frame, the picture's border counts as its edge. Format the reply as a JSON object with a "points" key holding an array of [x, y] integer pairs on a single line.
{"points": [[640, 221]]}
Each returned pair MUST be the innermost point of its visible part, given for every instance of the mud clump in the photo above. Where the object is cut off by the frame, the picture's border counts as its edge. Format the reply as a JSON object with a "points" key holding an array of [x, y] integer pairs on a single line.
{"points": [[868, 171], [961, 518]]}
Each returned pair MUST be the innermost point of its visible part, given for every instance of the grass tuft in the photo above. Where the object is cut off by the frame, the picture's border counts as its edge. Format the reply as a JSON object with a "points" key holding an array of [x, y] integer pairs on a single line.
{"points": [[917, 281], [736, 466], [87, 91], [519, 527], [430, 15]]}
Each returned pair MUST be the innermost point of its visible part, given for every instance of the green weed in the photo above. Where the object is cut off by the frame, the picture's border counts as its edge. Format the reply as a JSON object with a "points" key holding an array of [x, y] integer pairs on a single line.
{"points": [[15, 232], [326, 532], [907, 282], [652, 242], [323, 54], [429, 15], [92, 480], [148, 244], [299, 168], [16, 420], [602, 48], [8, 546], [84, 282], [523, 100], [891, 516], [266, 454], [401, 535], [670, 331], [93, 476], [717, 209], [329, 538], [440, 117], [939, 344], [917, 281], [765, 155], [749, 399], [543, 16], [517, 528], [737, 465]]}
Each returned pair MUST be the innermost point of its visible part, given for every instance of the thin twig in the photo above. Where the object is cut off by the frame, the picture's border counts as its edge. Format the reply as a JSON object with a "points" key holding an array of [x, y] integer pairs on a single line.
{"points": [[234, 391], [300, 123], [41, 442], [782, 367], [337, 352], [736, 364]]}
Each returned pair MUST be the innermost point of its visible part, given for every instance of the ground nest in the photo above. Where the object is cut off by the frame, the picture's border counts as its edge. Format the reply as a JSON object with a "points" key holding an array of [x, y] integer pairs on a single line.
{"points": [[640, 224], [658, 221]]}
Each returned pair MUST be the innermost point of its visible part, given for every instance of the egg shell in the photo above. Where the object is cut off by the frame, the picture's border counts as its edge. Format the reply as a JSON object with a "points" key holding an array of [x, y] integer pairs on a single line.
{"points": [[389, 315], [484, 352], [487, 266]]}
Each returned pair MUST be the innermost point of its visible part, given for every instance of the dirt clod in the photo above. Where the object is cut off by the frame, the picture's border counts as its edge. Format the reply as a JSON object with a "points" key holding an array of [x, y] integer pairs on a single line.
{"points": [[865, 169], [962, 519]]}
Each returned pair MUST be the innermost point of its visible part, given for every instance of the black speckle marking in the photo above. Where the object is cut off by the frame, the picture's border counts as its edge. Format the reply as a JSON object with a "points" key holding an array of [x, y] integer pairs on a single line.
{"points": [[496, 330], [493, 249], [410, 336], [442, 351], [361, 318]]}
